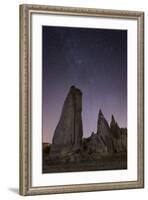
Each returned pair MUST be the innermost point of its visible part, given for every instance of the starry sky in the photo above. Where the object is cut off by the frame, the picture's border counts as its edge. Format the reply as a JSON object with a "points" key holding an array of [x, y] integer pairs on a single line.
{"points": [[95, 61]]}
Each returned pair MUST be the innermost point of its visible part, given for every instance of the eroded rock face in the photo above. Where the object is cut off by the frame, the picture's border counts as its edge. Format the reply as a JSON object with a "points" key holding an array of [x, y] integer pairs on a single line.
{"points": [[69, 131], [67, 144], [124, 138], [94, 144], [119, 136], [115, 130], [108, 139], [103, 131]]}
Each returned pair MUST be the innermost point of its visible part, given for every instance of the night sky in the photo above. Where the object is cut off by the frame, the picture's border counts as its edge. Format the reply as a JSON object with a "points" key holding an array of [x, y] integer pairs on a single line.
{"points": [[95, 61]]}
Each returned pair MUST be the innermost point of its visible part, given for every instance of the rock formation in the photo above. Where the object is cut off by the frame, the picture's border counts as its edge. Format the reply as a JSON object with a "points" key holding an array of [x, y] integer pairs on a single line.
{"points": [[115, 130], [108, 139], [103, 131], [94, 144], [119, 136], [69, 131], [67, 144]]}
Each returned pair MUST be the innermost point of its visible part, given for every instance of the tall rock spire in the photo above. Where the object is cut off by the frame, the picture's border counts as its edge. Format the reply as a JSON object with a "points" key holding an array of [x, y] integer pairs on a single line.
{"points": [[102, 125], [112, 121], [119, 138], [115, 130], [69, 131], [103, 131]]}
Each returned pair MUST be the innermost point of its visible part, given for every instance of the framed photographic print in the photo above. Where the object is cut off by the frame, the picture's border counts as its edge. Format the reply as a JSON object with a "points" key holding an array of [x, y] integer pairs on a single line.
{"points": [[81, 99]]}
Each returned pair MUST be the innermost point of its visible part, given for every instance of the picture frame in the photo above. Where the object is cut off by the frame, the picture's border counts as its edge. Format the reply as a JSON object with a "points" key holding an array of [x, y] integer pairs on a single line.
{"points": [[27, 108]]}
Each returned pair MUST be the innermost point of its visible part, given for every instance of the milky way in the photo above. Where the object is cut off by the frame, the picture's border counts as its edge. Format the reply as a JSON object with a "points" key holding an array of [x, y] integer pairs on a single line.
{"points": [[95, 61]]}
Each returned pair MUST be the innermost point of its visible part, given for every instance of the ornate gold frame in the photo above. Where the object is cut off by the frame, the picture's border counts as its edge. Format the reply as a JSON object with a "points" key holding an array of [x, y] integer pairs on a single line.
{"points": [[25, 99]]}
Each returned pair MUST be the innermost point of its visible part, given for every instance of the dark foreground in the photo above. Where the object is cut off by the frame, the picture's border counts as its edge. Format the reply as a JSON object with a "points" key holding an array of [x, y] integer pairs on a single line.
{"points": [[108, 162]]}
